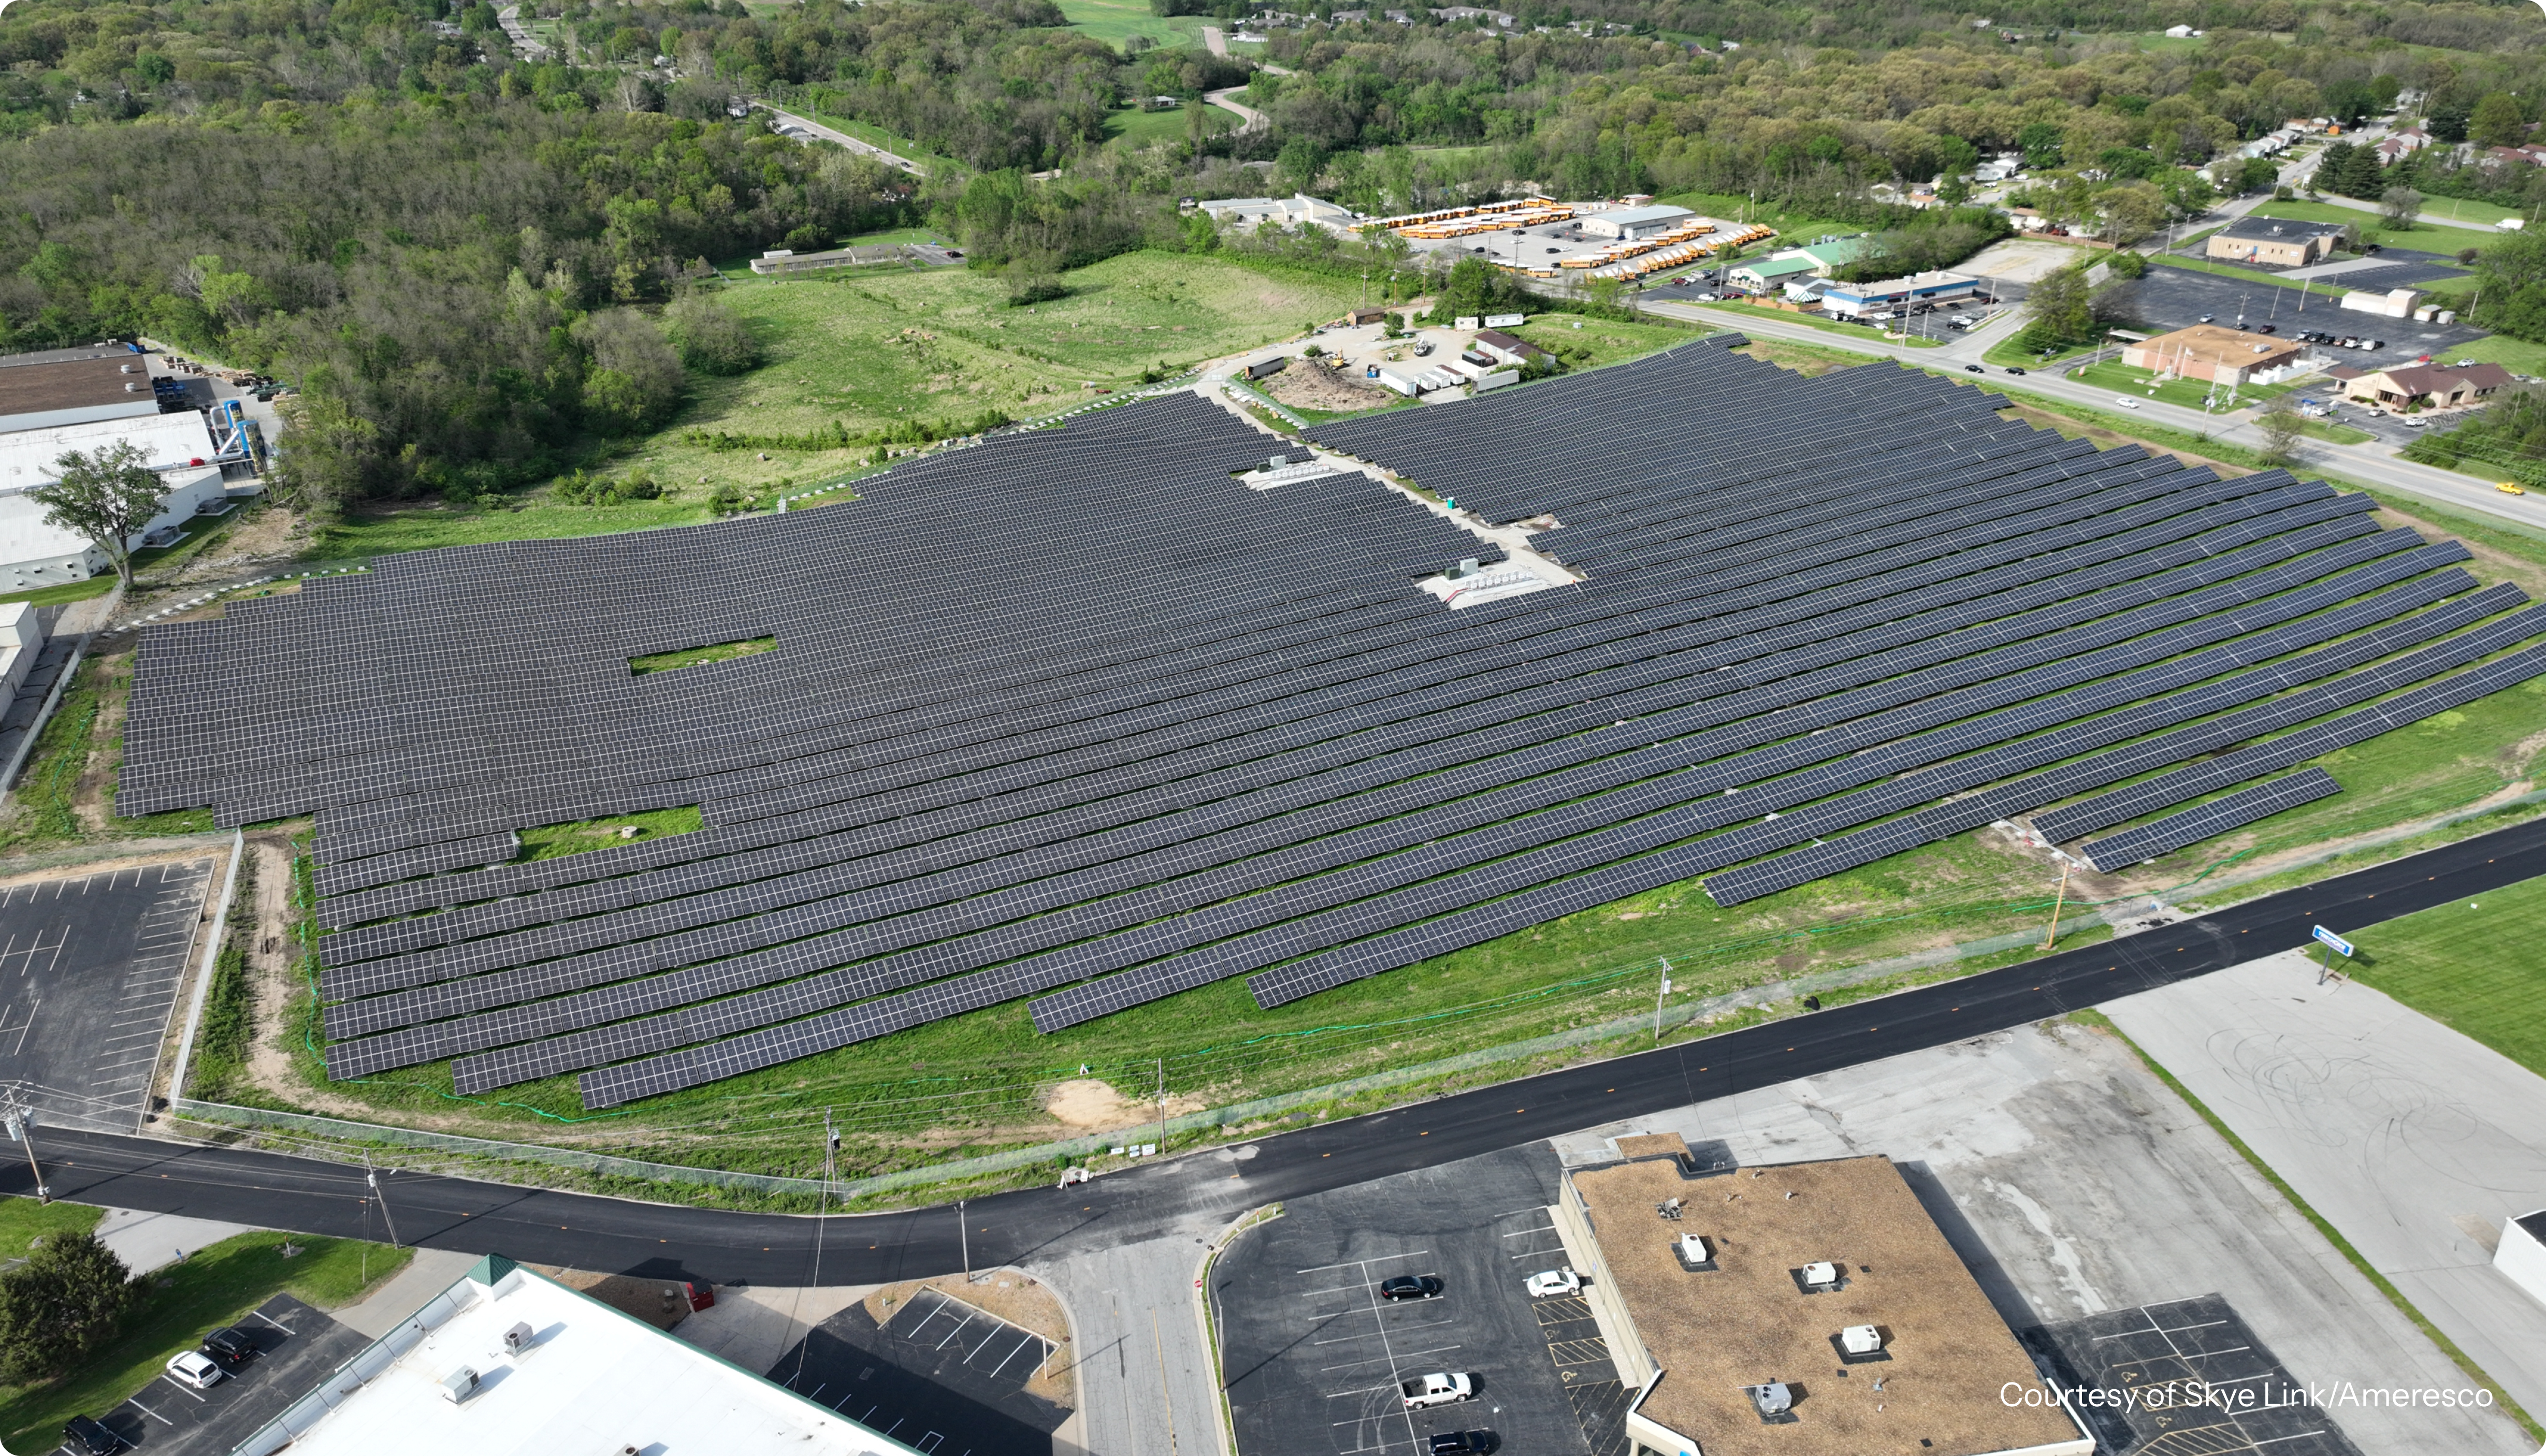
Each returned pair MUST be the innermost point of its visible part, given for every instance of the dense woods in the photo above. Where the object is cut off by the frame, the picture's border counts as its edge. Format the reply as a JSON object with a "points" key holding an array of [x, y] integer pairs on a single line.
{"points": [[465, 259]]}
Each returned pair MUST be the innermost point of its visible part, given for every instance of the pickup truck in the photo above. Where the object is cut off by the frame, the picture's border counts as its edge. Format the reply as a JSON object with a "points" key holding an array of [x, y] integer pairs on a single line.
{"points": [[1427, 1390]]}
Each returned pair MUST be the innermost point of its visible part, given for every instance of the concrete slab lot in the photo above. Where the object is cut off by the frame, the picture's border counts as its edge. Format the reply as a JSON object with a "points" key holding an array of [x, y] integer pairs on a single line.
{"points": [[2024, 259], [2412, 1140], [89, 970], [2075, 1184], [1312, 1354], [296, 1348]]}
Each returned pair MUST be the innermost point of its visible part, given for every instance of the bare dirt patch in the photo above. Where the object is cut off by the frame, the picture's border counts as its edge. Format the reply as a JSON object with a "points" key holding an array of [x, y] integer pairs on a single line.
{"points": [[1309, 386], [1089, 1103], [269, 533], [1008, 1294]]}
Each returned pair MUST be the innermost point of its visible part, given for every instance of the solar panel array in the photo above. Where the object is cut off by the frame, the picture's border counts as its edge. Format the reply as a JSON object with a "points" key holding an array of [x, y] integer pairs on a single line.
{"points": [[1078, 716], [2218, 817]]}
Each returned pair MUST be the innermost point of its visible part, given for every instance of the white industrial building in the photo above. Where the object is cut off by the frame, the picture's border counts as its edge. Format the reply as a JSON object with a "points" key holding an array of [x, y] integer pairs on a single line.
{"points": [[1628, 223], [1289, 212], [35, 553], [507, 1362], [2521, 1256]]}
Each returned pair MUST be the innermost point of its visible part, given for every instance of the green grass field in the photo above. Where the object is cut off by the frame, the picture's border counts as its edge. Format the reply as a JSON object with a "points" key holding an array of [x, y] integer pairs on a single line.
{"points": [[2476, 965], [873, 349], [2422, 235], [215, 1286], [2517, 354], [2190, 394], [2227, 270], [1117, 20], [1131, 127], [1589, 343]]}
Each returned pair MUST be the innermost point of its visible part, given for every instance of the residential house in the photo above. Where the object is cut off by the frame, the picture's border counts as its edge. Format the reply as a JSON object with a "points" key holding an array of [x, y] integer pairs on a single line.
{"points": [[2429, 386]]}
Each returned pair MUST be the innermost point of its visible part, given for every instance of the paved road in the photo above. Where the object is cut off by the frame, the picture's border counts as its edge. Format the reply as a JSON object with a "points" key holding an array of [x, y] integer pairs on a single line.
{"points": [[1249, 118], [827, 133], [2373, 465], [1043, 1226], [510, 18]]}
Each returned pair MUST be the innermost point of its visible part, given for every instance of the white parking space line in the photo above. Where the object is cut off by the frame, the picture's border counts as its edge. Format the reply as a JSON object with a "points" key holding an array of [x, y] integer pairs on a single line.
{"points": [[277, 1323], [1408, 1355], [1541, 1229], [174, 1385], [1365, 1264], [147, 1411]]}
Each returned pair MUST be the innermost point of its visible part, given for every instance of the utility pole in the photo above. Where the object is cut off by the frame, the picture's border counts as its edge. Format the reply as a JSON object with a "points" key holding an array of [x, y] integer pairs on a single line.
{"points": [[372, 1179], [964, 1232], [2057, 903], [1658, 996], [22, 1124], [1162, 1105]]}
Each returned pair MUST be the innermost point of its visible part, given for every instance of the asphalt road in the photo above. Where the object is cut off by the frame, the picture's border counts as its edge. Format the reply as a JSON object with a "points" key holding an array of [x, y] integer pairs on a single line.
{"points": [[1045, 1224]]}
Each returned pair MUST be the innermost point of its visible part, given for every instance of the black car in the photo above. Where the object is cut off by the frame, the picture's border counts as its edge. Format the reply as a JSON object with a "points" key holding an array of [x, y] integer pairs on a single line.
{"points": [[230, 1344], [2015, 369], [89, 1438], [1463, 1442], [1408, 1286], [2268, 328], [1972, 369]]}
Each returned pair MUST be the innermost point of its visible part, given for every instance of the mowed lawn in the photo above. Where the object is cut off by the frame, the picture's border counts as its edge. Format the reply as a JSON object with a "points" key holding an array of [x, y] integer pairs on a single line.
{"points": [[2476, 965], [1117, 20], [214, 1287], [875, 347]]}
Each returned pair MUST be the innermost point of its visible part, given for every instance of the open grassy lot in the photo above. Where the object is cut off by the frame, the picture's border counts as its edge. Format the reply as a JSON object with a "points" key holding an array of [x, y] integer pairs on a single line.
{"points": [[2229, 270], [1133, 126], [2117, 376], [2517, 354], [1585, 343], [2422, 235], [215, 1287], [1117, 20], [871, 349], [1794, 229], [2478, 966]]}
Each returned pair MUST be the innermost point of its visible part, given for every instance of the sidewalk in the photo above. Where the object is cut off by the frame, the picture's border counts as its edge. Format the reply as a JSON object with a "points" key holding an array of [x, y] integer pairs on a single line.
{"points": [[2414, 1141]]}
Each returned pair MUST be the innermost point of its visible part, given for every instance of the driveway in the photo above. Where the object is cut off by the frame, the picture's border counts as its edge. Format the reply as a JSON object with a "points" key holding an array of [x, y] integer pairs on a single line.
{"points": [[2412, 1140], [843, 138]]}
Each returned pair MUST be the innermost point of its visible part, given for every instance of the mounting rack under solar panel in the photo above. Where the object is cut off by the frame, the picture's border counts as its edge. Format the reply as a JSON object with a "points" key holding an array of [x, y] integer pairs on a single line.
{"points": [[2208, 821]]}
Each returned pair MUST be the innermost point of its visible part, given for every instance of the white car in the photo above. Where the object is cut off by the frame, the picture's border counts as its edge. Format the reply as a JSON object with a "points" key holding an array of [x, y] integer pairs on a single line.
{"points": [[195, 1369], [1549, 1283], [1427, 1390], [2126, 403]]}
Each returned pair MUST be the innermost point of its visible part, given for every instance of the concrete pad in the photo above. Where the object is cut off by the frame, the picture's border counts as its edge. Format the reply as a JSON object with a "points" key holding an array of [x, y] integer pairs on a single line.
{"points": [[149, 1241], [430, 1272], [2072, 1183], [2023, 259], [752, 1327], [2399, 1131]]}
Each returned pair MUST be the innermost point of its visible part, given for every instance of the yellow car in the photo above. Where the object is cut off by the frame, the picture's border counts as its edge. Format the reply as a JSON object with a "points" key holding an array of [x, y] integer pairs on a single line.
{"points": [[2510, 487]]}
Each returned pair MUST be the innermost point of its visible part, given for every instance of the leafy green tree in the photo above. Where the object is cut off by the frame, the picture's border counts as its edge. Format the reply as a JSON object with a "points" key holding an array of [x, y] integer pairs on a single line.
{"points": [[2400, 206], [2511, 285], [2059, 310], [2497, 120], [635, 378], [2259, 174], [60, 1307], [2280, 425], [106, 496], [708, 337], [2040, 141]]}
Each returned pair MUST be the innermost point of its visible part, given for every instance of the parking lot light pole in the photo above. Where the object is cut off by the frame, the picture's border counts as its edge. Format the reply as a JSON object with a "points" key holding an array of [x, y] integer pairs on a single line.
{"points": [[22, 1125], [372, 1179]]}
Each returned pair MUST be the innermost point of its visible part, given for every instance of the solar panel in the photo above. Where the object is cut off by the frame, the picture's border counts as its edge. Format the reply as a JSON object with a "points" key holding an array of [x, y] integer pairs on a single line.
{"points": [[2218, 817]]}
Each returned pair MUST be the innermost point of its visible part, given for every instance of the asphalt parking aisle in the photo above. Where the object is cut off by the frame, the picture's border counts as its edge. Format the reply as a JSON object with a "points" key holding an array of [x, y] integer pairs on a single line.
{"points": [[1313, 1355], [89, 970], [297, 1346]]}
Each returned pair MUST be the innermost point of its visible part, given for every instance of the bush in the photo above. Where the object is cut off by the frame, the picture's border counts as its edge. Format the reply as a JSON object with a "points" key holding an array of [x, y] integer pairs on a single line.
{"points": [[1028, 287], [636, 379], [726, 499], [708, 337], [60, 1307], [2126, 264], [580, 488]]}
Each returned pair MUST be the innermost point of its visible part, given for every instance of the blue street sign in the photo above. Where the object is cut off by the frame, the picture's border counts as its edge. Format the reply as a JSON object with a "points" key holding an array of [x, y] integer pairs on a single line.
{"points": [[2331, 939]]}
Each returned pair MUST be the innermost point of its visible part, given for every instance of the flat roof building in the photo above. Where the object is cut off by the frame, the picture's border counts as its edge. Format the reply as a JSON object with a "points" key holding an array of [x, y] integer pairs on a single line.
{"points": [[1920, 289], [2215, 352], [1634, 222], [1763, 274], [35, 553], [2276, 243], [1299, 207], [44, 389], [507, 1362], [1802, 1310]]}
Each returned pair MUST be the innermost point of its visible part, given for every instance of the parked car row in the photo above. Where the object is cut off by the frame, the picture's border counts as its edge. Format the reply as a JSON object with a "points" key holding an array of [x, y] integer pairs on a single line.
{"points": [[222, 1351], [2340, 341]]}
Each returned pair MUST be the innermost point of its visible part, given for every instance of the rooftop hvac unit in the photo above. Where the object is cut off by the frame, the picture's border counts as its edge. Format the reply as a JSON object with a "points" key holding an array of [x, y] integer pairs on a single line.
{"points": [[459, 1384], [518, 1338], [1820, 1275], [1771, 1400], [1860, 1339], [1692, 1251]]}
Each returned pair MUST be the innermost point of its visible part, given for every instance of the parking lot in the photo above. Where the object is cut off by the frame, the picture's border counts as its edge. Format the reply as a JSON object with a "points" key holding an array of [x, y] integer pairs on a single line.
{"points": [[89, 970], [2174, 1359], [1312, 1354], [2177, 297], [297, 1346], [939, 1376]]}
